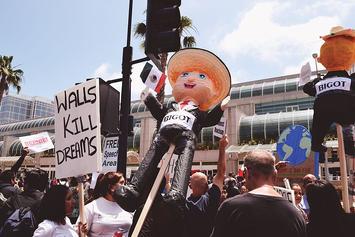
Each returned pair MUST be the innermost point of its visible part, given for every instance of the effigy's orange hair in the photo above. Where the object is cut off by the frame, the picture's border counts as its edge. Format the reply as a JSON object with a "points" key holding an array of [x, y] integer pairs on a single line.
{"points": [[195, 59]]}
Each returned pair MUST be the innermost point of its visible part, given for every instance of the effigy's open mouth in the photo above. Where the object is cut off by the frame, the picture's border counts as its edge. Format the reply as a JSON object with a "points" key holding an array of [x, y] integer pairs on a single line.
{"points": [[190, 86]]}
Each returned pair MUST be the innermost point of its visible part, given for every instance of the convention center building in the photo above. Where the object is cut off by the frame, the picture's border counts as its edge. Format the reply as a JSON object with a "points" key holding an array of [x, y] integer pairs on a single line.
{"points": [[256, 116]]}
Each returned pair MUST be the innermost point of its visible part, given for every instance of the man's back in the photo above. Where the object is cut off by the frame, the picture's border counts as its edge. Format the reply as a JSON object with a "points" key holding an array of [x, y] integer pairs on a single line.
{"points": [[258, 215]]}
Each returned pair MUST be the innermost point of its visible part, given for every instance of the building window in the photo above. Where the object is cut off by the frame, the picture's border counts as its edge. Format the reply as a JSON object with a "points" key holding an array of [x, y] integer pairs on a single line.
{"points": [[292, 108]]}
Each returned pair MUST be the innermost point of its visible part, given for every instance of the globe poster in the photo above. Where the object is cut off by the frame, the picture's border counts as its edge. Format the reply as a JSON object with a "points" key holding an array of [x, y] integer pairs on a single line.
{"points": [[294, 144]]}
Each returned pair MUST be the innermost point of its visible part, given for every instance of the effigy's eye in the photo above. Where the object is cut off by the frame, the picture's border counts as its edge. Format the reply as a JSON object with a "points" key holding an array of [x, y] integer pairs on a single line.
{"points": [[184, 74], [202, 76]]}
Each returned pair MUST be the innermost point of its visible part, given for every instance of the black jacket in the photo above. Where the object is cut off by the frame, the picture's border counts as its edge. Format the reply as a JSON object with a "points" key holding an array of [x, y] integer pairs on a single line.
{"points": [[8, 190]]}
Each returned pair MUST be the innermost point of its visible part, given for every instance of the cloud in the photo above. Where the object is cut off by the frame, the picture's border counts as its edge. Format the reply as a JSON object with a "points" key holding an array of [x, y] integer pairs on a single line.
{"points": [[259, 35]]}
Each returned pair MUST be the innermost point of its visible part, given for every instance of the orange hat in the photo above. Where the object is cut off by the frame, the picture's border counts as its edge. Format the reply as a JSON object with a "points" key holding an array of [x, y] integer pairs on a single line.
{"points": [[196, 59], [338, 51]]}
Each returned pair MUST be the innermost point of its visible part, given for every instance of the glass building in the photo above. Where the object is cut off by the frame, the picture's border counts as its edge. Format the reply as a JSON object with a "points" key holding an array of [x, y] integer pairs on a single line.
{"points": [[15, 108]]}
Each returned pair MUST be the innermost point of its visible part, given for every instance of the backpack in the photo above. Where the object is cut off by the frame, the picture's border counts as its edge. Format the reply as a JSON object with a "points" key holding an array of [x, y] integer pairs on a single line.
{"points": [[21, 222]]}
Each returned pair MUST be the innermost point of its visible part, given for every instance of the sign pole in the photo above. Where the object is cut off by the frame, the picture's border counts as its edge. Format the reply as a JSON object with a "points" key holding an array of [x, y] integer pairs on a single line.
{"points": [[343, 170]]}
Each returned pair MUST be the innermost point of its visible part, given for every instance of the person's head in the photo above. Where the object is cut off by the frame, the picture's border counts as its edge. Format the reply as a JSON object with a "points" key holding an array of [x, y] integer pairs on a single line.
{"points": [[243, 189], [198, 75], [107, 184], [73, 182], [198, 184], [307, 179], [36, 179], [7, 176], [56, 204], [259, 169], [298, 192], [323, 200]]}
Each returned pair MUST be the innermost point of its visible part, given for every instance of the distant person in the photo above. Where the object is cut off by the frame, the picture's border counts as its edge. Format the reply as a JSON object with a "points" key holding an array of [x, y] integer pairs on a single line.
{"points": [[327, 217], [307, 179], [103, 215], [298, 198], [203, 202], [261, 211], [7, 177], [56, 206], [35, 183]]}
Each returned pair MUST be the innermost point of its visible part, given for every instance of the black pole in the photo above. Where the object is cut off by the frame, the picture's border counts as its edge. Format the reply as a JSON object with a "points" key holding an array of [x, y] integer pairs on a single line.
{"points": [[125, 97]]}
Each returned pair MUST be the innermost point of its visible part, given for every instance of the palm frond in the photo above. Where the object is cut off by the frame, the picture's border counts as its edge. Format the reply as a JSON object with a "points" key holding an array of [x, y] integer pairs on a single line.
{"points": [[139, 30], [189, 42]]}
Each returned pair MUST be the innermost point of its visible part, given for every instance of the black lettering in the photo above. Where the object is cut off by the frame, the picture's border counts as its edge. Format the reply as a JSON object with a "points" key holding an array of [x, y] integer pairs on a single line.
{"points": [[329, 85], [82, 126], [92, 146], [343, 83], [187, 119], [72, 100], [60, 104], [91, 127], [60, 157], [92, 93], [66, 127], [76, 126], [78, 97], [336, 83]]}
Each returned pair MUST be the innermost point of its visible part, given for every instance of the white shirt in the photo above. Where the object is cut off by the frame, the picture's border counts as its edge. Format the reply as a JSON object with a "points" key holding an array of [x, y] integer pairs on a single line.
{"points": [[49, 228], [104, 218]]}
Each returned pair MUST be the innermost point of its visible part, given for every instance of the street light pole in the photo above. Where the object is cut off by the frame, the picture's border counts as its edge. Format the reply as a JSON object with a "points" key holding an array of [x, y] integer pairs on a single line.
{"points": [[315, 56], [125, 97]]}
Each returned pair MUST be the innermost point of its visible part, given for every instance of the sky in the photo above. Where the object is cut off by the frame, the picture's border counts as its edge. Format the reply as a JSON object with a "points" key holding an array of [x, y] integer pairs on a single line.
{"points": [[60, 43]]}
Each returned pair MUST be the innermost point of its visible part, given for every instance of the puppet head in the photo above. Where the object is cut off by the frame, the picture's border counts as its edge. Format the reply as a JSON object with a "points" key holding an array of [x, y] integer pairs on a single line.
{"points": [[338, 51], [198, 75]]}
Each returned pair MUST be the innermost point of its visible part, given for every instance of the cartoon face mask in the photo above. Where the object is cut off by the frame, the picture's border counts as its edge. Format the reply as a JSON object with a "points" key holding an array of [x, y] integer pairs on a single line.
{"points": [[195, 86]]}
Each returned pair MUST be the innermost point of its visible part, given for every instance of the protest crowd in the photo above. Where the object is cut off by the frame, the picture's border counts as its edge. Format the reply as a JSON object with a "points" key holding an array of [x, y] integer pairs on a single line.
{"points": [[223, 205]]}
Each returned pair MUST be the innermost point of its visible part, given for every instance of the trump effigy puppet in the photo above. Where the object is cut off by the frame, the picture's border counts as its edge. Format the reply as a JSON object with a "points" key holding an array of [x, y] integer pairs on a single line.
{"points": [[335, 92], [200, 86]]}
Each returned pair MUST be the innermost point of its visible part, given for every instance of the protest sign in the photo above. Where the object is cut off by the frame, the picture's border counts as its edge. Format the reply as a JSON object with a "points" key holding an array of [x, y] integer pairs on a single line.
{"points": [[77, 130], [110, 154], [288, 194], [220, 128], [305, 75], [37, 143]]}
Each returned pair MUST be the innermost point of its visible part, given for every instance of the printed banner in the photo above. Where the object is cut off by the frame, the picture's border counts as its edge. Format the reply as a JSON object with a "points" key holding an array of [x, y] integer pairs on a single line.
{"points": [[110, 154], [37, 143], [220, 128], [77, 130]]}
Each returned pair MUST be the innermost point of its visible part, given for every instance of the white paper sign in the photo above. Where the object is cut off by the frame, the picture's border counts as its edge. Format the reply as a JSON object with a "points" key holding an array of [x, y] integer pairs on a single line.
{"points": [[305, 75], [181, 117], [110, 154], [288, 194], [77, 130], [37, 143], [220, 128]]}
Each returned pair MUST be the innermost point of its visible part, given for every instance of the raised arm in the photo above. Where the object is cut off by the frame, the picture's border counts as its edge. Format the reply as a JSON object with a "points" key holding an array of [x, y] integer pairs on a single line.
{"points": [[221, 164], [155, 107], [19, 162]]}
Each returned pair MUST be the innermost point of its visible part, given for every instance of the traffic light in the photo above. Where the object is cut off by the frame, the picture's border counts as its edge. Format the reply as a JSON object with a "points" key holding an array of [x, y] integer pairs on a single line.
{"points": [[163, 21]]}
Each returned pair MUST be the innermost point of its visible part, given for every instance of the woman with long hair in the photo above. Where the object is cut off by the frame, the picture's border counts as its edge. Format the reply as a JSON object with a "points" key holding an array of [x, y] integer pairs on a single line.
{"points": [[55, 206], [104, 217], [327, 217]]}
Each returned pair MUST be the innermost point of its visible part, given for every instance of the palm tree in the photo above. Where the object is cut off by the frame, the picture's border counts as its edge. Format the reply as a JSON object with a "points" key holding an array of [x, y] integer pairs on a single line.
{"points": [[188, 41], [9, 75]]}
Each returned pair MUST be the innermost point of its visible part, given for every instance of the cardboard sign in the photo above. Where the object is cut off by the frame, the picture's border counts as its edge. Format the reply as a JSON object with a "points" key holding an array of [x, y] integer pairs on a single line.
{"points": [[77, 130], [288, 194], [220, 128], [110, 154], [181, 117], [37, 143], [305, 75]]}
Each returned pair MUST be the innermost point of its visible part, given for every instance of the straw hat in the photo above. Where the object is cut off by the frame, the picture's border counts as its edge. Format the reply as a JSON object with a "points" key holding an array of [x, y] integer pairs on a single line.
{"points": [[196, 59], [339, 31]]}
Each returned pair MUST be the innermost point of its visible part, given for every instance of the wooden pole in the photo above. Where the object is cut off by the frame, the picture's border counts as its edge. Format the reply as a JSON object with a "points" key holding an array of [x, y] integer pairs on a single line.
{"points": [[343, 170], [81, 206], [153, 191]]}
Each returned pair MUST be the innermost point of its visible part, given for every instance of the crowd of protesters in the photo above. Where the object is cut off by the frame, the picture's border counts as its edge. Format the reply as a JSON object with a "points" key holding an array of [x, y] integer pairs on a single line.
{"points": [[245, 204]]}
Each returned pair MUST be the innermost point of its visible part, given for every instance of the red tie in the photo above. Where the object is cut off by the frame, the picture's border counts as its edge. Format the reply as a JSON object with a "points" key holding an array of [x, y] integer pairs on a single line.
{"points": [[184, 103]]}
